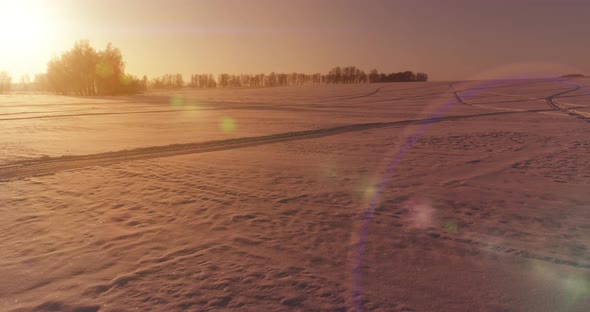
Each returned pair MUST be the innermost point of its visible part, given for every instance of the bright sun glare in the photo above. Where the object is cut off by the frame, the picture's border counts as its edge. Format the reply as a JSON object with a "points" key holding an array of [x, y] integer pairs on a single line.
{"points": [[26, 33]]}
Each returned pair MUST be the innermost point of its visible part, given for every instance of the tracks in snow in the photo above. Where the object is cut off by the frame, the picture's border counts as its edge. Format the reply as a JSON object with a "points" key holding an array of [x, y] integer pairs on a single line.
{"points": [[51, 165], [462, 101], [513, 251], [552, 101], [232, 106], [44, 166]]}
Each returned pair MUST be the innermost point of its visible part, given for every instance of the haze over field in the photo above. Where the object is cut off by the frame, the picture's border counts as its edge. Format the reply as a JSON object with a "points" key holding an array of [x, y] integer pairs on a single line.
{"points": [[294, 156], [457, 39]]}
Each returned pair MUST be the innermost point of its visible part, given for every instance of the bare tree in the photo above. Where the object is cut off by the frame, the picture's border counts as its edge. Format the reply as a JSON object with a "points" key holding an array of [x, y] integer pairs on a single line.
{"points": [[5, 82], [40, 83], [25, 81], [85, 71], [421, 77]]}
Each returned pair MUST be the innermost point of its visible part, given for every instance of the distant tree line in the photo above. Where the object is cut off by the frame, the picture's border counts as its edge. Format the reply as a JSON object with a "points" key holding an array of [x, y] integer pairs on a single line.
{"points": [[375, 76], [166, 82], [346, 75], [265, 80], [202, 81]]}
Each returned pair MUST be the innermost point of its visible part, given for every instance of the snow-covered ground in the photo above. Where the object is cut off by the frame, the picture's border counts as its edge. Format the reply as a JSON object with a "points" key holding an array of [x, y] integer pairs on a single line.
{"points": [[474, 197]]}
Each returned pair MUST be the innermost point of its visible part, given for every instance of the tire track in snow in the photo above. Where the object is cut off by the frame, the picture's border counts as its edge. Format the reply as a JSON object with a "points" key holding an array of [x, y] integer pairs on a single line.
{"points": [[523, 253], [552, 101], [315, 107], [462, 101], [51, 165], [345, 97]]}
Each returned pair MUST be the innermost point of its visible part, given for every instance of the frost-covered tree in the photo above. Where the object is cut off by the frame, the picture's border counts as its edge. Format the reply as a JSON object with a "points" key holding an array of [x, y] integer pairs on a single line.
{"points": [[5, 81]]}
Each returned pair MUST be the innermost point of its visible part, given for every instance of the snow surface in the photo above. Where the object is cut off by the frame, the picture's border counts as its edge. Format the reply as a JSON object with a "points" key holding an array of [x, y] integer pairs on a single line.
{"points": [[255, 199]]}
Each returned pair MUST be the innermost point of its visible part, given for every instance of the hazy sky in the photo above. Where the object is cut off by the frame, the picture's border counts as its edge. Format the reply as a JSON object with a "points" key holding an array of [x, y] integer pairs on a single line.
{"points": [[447, 39]]}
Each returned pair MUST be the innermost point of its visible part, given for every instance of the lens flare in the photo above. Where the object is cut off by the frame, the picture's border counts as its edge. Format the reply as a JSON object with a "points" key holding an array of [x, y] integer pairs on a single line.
{"points": [[327, 170], [573, 286], [420, 213], [227, 125], [397, 156], [176, 100], [369, 192], [451, 227], [191, 108]]}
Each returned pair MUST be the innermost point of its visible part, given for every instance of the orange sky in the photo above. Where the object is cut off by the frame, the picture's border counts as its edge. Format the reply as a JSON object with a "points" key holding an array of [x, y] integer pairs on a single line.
{"points": [[447, 39]]}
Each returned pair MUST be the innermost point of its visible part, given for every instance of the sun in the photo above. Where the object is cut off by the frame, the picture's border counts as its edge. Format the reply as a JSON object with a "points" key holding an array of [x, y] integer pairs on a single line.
{"points": [[22, 22], [26, 31]]}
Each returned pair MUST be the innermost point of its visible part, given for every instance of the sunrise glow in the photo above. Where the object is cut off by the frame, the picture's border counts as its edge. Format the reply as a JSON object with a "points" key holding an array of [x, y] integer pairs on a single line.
{"points": [[29, 33]]}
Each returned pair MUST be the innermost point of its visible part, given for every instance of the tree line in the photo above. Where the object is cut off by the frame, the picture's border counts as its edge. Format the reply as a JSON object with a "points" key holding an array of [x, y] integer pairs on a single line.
{"points": [[86, 71], [346, 75], [376, 76]]}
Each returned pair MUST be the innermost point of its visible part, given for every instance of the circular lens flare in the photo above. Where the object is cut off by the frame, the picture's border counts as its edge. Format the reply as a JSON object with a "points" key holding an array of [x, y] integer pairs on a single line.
{"points": [[227, 125]]}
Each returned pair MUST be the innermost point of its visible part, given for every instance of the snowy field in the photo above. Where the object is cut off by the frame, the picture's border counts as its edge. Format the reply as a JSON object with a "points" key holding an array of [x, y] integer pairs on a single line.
{"points": [[438, 196]]}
